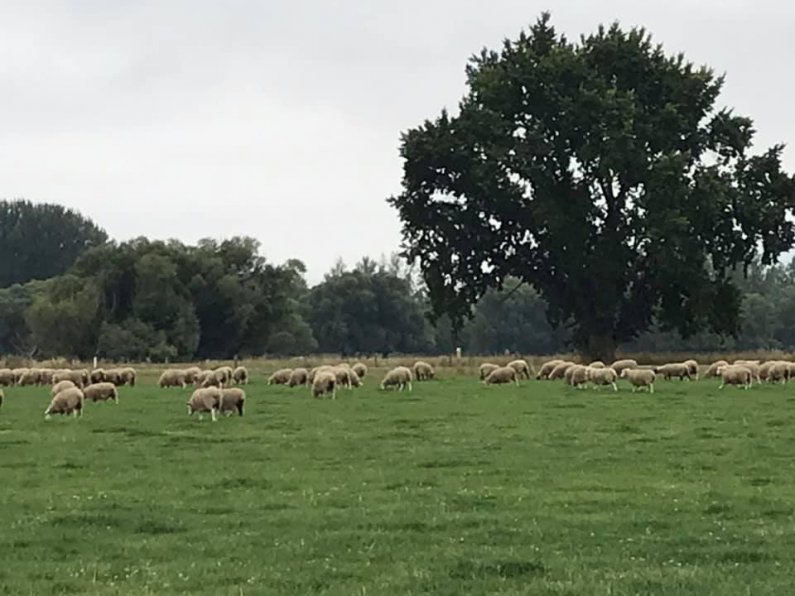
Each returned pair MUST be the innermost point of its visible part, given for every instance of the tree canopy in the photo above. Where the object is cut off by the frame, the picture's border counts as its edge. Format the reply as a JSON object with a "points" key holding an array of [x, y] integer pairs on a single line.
{"points": [[38, 241], [602, 174]]}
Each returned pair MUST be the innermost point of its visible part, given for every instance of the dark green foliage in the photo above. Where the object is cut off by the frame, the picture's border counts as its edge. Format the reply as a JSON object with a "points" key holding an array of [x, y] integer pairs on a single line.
{"points": [[602, 174], [15, 336], [40, 241], [371, 310]]}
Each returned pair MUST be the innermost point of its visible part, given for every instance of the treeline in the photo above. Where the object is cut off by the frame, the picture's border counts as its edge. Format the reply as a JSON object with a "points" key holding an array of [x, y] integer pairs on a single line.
{"points": [[160, 301]]}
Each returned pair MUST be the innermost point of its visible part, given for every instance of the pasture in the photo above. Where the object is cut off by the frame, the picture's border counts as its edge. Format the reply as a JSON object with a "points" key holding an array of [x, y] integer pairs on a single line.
{"points": [[455, 488]]}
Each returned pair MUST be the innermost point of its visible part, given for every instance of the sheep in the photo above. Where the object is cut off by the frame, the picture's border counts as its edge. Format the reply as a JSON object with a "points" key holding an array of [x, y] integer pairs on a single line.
{"points": [[620, 365], [502, 375], [280, 377], [232, 401], [735, 375], [399, 377], [354, 378], [46, 376], [18, 374], [712, 370], [240, 375], [227, 373], [692, 368], [172, 378], [101, 391], [791, 369], [779, 371], [547, 368], [192, 374], [639, 378], [753, 367], [360, 368], [577, 375], [486, 369], [113, 375], [60, 386], [97, 375], [213, 378], [343, 375], [324, 383], [522, 368], [127, 376], [602, 376], [559, 372], [78, 377], [7, 378], [675, 369], [205, 399], [596, 364], [299, 376], [31, 377], [68, 401], [423, 371]]}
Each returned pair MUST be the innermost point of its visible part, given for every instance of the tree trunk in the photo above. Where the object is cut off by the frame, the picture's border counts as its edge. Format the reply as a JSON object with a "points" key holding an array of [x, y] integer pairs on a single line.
{"points": [[599, 347]]}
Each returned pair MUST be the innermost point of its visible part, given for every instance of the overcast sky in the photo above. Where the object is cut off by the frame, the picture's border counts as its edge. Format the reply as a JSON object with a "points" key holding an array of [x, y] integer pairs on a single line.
{"points": [[186, 119]]}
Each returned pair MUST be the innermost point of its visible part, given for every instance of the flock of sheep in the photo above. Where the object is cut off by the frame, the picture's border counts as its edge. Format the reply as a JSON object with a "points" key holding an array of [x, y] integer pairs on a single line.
{"points": [[213, 393], [740, 373]]}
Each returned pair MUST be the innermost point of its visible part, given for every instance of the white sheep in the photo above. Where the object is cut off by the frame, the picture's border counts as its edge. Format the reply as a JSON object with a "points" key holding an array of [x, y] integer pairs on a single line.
{"points": [[620, 365], [577, 376], [205, 399], [501, 376], [559, 372], [60, 386], [360, 368], [232, 400], [101, 391], [522, 368], [7, 378], [602, 376], [674, 369], [280, 377], [240, 375], [299, 376], [324, 383], [172, 378], [399, 377], [735, 375], [547, 368], [68, 401], [423, 371], [639, 378], [486, 369], [712, 370]]}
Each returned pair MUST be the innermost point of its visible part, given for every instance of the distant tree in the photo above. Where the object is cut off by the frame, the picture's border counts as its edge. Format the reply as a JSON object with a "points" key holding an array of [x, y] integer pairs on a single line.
{"points": [[368, 310], [65, 318], [39, 241], [600, 173], [15, 335], [515, 320]]}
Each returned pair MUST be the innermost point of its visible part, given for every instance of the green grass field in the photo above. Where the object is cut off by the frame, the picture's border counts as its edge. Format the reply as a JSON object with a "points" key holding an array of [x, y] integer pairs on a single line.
{"points": [[453, 489]]}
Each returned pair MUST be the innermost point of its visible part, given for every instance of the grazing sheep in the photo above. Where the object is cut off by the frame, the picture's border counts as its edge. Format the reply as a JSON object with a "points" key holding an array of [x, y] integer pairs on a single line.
{"points": [[596, 364], [423, 371], [577, 376], [735, 375], [101, 391], [674, 369], [354, 378], [602, 376], [18, 374], [97, 375], [791, 369], [547, 368], [639, 378], [7, 378], [127, 376], [46, 376], [299, 376], [620, 365], [78, 377], [559, 372], [205, 399], [712, 371], [502, 375], [692, 368], [778, 372], [213, 378], [324, 383], [360, 368], [192, 375], [29, 378], [240, 375], [113, 375], [232, 401], [60, 386], [486, 369], [753, 367], [343, 375], [280, 377], [227, 374], [522, 368], [172, 378], [399, 377], [68, 401]]}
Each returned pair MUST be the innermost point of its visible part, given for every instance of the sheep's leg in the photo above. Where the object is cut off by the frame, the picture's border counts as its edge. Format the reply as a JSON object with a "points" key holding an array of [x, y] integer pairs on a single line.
{"points": [[189, 411], [614, 387], [721, 386], [651, 388], [214, 414]]}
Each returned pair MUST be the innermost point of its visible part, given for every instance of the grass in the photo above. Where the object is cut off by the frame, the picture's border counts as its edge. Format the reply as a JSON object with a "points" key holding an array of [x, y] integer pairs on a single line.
{"points": [[453, 489]]}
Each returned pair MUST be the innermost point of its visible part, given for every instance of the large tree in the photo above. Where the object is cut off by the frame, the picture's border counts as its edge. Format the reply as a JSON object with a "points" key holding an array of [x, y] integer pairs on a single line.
{"points": [[39, 241], [602, 174]]}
